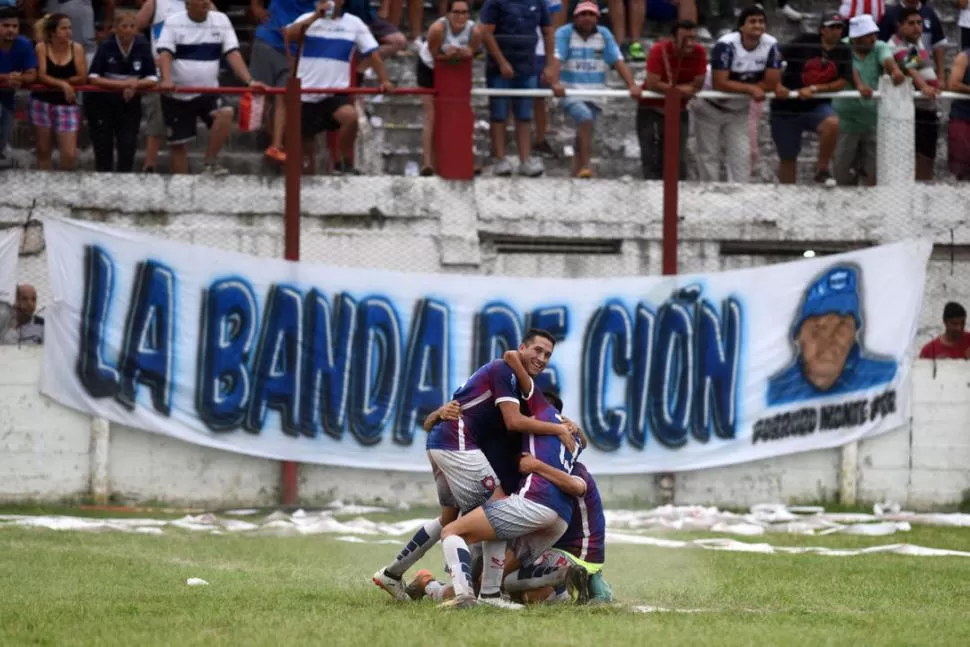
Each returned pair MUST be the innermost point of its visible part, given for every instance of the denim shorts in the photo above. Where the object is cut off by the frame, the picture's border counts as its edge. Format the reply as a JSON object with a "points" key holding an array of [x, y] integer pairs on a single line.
{"points": [[580, 110], [787, 128], [498, 107]]}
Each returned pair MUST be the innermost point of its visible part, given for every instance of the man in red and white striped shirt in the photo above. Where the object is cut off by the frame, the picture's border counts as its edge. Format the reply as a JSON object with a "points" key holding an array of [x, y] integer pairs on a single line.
{"points": [[853, 8]]}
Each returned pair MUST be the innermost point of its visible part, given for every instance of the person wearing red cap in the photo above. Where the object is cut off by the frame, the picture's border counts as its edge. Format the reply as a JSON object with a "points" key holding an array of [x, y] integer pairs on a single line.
{"points": [[815, 63]]}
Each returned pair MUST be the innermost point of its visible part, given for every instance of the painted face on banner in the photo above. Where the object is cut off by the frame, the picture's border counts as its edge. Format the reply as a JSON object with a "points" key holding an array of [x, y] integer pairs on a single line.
{"points": [[825, 342]]}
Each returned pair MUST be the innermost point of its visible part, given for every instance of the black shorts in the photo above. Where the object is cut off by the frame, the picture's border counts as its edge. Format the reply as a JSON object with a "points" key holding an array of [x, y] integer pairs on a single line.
{"points": [[316, 117], [927, 132], [425, 75], [381, 28], [181, 116]]}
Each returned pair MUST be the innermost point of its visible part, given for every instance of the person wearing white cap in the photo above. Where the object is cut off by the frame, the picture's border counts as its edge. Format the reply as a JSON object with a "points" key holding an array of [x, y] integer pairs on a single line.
{"points": [[855, 151]]}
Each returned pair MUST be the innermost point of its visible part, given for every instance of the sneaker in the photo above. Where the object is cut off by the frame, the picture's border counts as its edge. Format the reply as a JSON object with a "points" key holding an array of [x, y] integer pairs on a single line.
{"points": [[395, 588], [577, 581], [600, 591], [499, 601], [465, 602], [584, 174], [532, 167], [415, 589], [502, 168], [543, 149], [345, 168], [636, 51], [792, 14], [824, 177], [214, 169], [276, 154]]}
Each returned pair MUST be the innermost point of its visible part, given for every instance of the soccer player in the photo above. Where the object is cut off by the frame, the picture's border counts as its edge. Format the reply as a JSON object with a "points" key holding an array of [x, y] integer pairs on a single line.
{"points": [[489, 402], [536, 516]]}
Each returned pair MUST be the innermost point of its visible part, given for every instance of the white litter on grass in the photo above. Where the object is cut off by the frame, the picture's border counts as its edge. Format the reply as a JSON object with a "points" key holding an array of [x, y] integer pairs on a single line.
{"points": [[623, 526], [196, 581]]}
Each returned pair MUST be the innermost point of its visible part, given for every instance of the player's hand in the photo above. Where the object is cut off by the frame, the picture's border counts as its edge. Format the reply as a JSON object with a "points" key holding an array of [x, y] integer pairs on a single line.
{"points": [[528, 463], [449, 411], [567, 438]]}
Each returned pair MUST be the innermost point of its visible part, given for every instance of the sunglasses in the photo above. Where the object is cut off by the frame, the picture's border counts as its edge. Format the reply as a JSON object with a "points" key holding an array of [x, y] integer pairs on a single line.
{"points": [[460, 12]]}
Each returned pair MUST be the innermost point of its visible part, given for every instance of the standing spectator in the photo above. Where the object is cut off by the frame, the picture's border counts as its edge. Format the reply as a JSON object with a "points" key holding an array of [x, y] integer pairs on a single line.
{"points": [[680, 62], [26, 327], [18, 67], [268, 61], [958, 134], [744, 62], [153, 13], [627, 18], [912, 56], [932, 33], [954, 343], [963, 22], [509, 32], [124, 63], [815, 63], [451, 38], [851, 8], [81, 14], [386, 32], [328, 40], [585, 51], [539, 106], [855, 149], [61, 66], [190, 47]]}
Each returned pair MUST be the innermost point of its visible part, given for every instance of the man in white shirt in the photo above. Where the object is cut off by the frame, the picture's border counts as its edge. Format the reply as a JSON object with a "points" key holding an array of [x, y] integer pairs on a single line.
{"points": [[328, 38], [190, 48]]}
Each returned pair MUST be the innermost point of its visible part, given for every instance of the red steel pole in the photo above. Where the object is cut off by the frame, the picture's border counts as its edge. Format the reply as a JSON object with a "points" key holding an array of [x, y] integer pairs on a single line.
{"points": [[672, 108], [454, 120], [293, 170]]}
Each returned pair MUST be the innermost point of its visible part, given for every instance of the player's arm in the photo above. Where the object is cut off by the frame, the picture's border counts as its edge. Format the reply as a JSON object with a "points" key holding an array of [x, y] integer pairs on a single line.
{"points": [[571, 485], [514, 360], [516, 422], [447, 411]]}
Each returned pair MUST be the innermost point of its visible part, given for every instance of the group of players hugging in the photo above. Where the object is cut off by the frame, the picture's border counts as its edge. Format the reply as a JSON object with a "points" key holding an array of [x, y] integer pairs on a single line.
{"points": [[544, 542]]}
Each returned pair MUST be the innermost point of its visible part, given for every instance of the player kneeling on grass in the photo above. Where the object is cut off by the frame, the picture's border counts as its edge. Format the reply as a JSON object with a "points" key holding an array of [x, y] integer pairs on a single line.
{"points": [[328, 39]]}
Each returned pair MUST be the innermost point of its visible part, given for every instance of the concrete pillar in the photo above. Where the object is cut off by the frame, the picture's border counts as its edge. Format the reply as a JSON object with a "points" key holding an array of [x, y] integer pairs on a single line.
{"points": [[849, 474], [896, 152], [100, 440]]}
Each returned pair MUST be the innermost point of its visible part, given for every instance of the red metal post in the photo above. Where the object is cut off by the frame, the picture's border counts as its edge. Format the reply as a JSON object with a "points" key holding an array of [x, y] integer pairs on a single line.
{"points": [[293, 170], [454, 121], [672, 109]]}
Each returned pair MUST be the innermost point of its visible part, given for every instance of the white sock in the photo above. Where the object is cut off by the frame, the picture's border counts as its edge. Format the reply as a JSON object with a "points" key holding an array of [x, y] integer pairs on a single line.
{"points": [[426, 537], [435, 590], [460, 564], [493, 554]]}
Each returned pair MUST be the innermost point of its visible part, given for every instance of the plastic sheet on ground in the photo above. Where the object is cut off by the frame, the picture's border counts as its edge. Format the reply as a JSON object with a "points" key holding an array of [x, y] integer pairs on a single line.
{"points": [[624, 526]]}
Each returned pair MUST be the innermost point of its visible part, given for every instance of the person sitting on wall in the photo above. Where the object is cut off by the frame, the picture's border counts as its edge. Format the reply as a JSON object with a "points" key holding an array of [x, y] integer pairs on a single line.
{"points": [[954, 343]]}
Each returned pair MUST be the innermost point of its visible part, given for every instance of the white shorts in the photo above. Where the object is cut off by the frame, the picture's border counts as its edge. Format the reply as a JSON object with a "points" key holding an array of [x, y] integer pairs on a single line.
{"points": [[533, 526], [465, 479]]}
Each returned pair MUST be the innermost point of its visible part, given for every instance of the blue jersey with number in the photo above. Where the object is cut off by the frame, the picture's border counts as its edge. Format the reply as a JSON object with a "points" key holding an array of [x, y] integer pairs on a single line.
{"points": [[551, 451], [479, 398], [586, 535]]}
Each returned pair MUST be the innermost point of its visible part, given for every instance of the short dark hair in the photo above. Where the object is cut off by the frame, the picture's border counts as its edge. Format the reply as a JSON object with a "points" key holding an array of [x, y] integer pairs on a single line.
{"points": [[451, 4], [553, 399], [532, 333], [906, 12], [747, 12], [682, 24], [953, 310], [9, 13]]}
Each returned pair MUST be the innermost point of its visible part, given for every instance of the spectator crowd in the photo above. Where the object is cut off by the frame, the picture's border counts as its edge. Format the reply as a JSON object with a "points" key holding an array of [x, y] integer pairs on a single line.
{"points": [[150, 85]]}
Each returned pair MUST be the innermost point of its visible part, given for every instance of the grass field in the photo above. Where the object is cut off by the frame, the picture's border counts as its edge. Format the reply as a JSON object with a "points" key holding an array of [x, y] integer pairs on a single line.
{"points": [[61, 588]]}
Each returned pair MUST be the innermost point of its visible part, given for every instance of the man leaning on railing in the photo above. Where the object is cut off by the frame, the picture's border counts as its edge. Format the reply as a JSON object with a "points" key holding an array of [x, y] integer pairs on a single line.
{"points": [[18, 67]]}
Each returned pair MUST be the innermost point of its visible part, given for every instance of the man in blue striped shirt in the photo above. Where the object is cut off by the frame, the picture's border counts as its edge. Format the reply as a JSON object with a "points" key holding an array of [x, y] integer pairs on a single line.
{"points": [[585, 51]]}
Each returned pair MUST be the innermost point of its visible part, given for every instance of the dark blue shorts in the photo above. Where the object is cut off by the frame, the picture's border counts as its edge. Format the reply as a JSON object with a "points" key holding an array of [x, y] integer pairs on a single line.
{"points": [[521, 106], [787, 128]]}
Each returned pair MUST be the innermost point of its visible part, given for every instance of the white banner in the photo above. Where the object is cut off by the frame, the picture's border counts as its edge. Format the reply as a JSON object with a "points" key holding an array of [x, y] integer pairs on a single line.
{"points": [[9, 255], [303, 362]]}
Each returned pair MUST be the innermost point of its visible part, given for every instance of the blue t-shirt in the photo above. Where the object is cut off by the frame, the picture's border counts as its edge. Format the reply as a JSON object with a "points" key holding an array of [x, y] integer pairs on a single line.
{"points": [[515, 24], [282, 13], [19, 58]]}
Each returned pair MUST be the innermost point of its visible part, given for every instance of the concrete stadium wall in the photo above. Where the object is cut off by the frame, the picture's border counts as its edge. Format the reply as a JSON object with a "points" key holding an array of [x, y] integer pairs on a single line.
{"points": [[49, 453], [426, 224]]}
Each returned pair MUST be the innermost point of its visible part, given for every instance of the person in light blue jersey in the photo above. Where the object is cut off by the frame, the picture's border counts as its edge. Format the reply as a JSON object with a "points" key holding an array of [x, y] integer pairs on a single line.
{"points": [[585, 52]]}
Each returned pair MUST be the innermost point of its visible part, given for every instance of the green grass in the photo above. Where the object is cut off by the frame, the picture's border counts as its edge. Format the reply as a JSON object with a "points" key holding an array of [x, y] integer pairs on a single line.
{"points": [[59, 588]]}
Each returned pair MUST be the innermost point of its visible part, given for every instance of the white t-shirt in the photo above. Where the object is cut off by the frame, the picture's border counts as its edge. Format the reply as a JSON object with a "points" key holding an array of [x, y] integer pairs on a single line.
{"points": [[163, 9], [328, 49], [964, 19], [197, 48]]}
